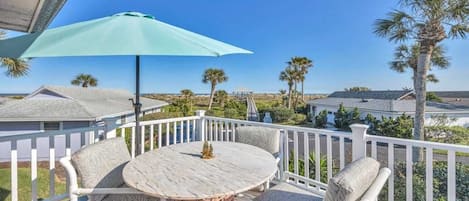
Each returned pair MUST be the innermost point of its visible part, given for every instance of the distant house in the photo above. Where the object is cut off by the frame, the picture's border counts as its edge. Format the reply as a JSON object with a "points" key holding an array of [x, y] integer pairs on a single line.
{"points": [[454, 97], [58, 107], [388, 104]]}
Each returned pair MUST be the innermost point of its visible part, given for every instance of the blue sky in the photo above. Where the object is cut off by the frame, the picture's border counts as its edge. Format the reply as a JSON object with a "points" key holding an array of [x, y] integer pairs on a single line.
{"points": [[336, 34]]}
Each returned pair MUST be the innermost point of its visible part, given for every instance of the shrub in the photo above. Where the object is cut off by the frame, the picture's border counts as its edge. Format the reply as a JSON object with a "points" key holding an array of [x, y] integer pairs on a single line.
{"points": [[340, 118], [312, 166], [448, 134], [281, 114], [232, 113], [320, 121], [343, 119], [299, 118], [439, 181]]}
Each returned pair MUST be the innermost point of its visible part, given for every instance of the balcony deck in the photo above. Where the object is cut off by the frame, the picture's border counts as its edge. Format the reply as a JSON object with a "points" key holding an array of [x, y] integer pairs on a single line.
{"points": [[327, 153]]}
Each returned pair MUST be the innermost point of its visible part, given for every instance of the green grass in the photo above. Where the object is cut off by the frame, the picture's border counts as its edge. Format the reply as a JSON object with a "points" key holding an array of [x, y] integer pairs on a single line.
{"points": [[24, 184]]}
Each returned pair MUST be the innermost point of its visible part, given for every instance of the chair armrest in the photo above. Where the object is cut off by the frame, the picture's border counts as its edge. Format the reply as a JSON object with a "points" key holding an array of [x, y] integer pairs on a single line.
{"points": [[277, 160], [71, 173], [372, 193], [97, 191]]}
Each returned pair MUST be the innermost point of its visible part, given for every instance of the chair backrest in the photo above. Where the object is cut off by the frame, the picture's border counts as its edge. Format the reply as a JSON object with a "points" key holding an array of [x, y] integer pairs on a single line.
{"points": [[354, 180], [100, 165], [262, 137]]}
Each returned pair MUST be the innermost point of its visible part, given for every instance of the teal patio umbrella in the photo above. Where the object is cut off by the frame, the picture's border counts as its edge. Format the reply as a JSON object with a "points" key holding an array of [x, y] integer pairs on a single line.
{"points": [[128, 33]]}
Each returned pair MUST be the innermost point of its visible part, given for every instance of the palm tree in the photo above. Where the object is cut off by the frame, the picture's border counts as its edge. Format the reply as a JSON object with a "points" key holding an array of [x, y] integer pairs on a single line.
{"points": [[301, 65], [187, 94], [288, 75], [429, 22], [85, 80], [221, 96], [213, 76], [15, 67]]}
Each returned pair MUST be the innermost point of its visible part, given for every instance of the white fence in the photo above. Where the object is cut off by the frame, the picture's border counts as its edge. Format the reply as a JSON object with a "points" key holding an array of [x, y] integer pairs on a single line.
{"points": [[310, 156]]}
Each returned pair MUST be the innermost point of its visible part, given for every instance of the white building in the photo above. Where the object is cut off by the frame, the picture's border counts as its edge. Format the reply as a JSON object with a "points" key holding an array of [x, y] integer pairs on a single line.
{"points": [[387, 104], [59, 108]]}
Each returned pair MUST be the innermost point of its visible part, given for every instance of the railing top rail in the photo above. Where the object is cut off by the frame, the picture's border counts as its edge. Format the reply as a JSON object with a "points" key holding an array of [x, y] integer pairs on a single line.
{"points": [[159, 121], [48, 133], [418, 143], [285, 127]]}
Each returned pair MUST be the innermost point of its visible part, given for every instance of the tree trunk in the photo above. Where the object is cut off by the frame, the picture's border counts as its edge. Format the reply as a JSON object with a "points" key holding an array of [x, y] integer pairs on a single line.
{"points": [[295, 101], [302, 91], [289, 96], [212, 92], [420, 88]]}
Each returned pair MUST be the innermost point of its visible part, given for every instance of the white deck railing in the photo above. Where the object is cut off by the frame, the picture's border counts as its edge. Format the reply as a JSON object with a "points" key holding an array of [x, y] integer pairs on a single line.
{"points": [[325, 151]]}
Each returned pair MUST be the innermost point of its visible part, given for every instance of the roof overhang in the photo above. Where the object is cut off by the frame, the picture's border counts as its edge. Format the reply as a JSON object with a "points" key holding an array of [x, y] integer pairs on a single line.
{"points": [[28, 15]]}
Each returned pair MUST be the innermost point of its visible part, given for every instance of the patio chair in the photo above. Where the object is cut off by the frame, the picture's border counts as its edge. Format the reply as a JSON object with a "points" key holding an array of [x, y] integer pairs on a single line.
{"points": [[360, 180], [263, 137], [100, 168]]}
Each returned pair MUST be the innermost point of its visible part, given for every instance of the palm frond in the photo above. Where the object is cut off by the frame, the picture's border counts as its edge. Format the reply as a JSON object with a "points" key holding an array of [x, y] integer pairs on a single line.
{"points": [[458, 31], [397, 27], [15, 67]]}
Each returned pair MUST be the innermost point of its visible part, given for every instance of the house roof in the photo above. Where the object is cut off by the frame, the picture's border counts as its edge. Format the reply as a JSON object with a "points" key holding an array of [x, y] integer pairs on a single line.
{"points": [[53, 103], [385, 95], [452, 94], [28, 15], [380, 105]]}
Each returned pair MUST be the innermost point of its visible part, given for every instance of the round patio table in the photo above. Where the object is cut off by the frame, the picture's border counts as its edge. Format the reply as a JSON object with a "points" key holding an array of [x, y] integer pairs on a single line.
{"points": [[178, 172]]}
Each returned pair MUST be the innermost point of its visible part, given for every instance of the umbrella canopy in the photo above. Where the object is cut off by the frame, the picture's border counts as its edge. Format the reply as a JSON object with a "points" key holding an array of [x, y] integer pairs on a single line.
{"points": [[128, 33]]}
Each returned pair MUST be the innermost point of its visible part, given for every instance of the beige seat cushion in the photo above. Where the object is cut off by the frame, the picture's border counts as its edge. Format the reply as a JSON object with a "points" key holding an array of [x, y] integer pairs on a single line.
{"points": [[262, 137], [100, 165], [352, 182], [288, 192]]}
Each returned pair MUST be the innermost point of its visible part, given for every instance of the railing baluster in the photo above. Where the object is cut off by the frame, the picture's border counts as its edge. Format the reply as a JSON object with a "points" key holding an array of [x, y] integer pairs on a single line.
{"points": [[295, 153], [33, 168], [82, 139], [233, 129], [429, 173], [341, 152], [227, 135], [152, 136], [211, 129], [216, 130], [373, 149], [408, 174], [52, 164], [167, 134], [286, 152], [451, 175], [91, 137], [142, 139], [14, 171], [221, 131], [132, 143], [181, 131], [317, 156], [193, 130], [188, 129], [306, 154], [391, 177], [160, 139], [174, 132], [329, 156], [68, 150]]}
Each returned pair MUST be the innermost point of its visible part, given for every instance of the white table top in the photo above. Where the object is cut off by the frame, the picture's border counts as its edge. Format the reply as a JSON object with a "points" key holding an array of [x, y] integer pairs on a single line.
{"points": [[178, 172]]}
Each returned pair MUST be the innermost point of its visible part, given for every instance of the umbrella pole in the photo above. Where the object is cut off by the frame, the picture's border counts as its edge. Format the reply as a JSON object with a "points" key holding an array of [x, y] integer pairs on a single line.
{"points": [[137, 107]]}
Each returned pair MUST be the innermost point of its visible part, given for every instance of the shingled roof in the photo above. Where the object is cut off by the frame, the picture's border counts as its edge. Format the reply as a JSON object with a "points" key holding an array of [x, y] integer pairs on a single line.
{"points": [[452, 94], [385, 95], [57, 103]]}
